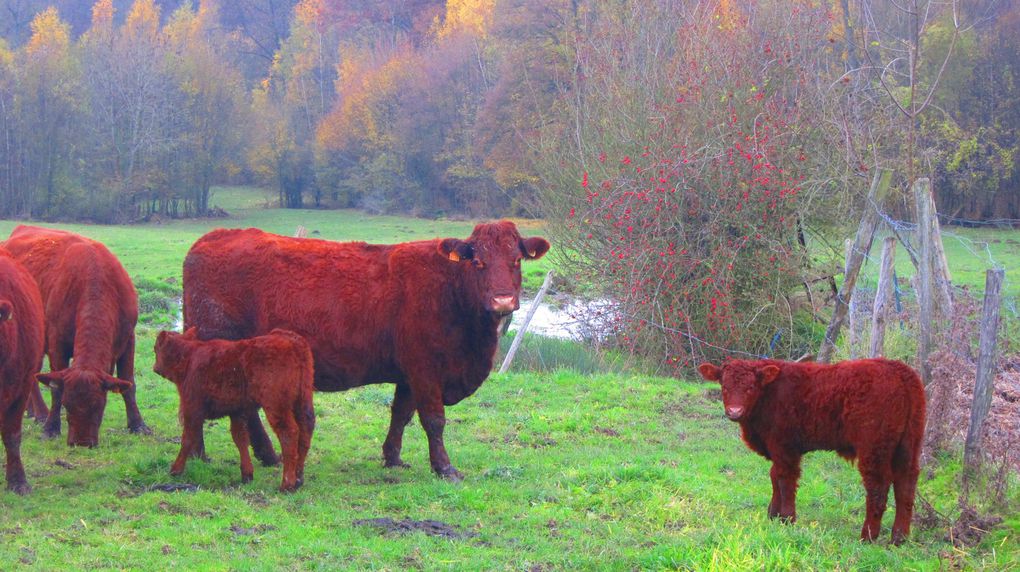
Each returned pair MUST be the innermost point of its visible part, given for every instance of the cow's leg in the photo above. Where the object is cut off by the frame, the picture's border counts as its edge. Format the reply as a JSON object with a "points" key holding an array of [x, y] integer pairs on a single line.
{"points": [[261, 444], [906, 467], [777, 495], [785, 474], [432, 414], [282, 420], [126, 371], [401, 413], [10, 431], [876, 472], [59, 361], [239, 431], [37, 409], [191, 438]]}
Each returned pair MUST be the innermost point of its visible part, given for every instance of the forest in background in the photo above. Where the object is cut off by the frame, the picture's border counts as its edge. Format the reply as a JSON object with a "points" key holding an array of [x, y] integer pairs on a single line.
{"points": [[119, 110]]}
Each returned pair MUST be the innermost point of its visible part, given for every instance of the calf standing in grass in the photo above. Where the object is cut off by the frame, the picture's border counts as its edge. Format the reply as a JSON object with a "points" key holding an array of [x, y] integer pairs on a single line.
{"points": [[871, 410], [217, 378], [21, 352]]}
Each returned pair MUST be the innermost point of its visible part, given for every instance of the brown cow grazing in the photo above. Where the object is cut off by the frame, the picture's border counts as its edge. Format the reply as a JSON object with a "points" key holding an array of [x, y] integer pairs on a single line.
{"points": [[90, 308], [21, 352], [217, 378], [872, 410], [423, 315]]}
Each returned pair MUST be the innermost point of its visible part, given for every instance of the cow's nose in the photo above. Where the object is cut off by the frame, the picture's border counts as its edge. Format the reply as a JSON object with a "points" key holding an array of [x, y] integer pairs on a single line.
{"points": [[734, 413], [504, 304]]}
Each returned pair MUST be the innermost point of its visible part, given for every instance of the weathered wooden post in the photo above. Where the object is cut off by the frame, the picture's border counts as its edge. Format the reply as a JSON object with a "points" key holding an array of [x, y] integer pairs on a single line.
{"points": [[851, 306], [922, 188], [986, 366], [883, 297], [524, 326], [862, 244]]}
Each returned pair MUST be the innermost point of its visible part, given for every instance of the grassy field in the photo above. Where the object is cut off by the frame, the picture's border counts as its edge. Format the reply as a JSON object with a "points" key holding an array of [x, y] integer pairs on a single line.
{"points": [[564, 470]]}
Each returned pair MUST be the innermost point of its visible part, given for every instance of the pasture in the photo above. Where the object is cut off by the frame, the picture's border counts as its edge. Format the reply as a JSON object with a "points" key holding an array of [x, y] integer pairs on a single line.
{"points": [[563, 470]]}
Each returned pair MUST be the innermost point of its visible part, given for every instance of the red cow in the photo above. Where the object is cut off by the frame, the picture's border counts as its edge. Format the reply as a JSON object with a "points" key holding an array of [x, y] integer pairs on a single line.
{"points": [[422, 315], [21, 352], [872, 410], [217, 378], [90, 308]]}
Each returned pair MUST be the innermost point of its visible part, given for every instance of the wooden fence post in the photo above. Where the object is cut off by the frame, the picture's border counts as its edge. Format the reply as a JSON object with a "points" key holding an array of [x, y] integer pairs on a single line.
{"points": [[851, 306], [922, 188], [524, 326], [862, 244], [883, 297], [985, 383]]}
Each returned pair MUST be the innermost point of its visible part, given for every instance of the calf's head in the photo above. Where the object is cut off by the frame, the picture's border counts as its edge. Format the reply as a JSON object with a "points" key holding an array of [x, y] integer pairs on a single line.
{"points": [[492, 257], [742, 384], [172, 354], [83, 394]]}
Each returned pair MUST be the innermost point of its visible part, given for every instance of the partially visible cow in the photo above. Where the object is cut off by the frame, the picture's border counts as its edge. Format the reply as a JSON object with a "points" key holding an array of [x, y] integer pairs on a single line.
{"points": [[423, 315], [872, 410], [21, 352], [217, 378], [91, 309]]}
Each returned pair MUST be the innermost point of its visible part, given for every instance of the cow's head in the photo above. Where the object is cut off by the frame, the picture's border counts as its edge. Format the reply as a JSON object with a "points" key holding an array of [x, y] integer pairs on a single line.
{"points": [[83, 394], [172, 355], [742, 384], [492, 256]]}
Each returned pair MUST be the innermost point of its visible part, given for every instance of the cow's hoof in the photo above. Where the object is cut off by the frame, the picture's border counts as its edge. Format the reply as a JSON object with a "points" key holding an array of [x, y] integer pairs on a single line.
{"points": [[396, 464], [140, 429], [247, 478], [285, 488], [268, 459], [19, 488], [450, 474], [50, 433]]}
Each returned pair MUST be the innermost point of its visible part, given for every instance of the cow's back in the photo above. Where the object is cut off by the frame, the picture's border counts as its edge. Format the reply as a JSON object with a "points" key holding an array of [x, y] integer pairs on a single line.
{"points": [[244, 283]]}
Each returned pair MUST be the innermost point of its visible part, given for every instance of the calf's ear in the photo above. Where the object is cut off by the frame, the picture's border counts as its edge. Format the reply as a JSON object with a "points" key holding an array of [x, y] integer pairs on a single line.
{"points": [[53, 379], [455, 249], [191, 333], [768, 374], [710, 372], [115, 385], [534, 247]]}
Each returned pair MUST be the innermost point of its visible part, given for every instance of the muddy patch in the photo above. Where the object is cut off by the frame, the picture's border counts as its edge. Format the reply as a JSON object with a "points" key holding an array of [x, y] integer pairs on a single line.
{"points": [[250, 530], [63, 463], [172, 488], [970, 528], [607, 431], [390, 527]]}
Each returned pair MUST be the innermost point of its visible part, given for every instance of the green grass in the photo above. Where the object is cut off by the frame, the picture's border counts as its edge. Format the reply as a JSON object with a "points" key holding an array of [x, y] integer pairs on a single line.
{"points": [[565, 470]]}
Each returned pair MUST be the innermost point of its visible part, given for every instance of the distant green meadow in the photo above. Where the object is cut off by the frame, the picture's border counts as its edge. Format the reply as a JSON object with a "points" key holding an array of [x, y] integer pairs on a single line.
{"points": [[577, 467]]}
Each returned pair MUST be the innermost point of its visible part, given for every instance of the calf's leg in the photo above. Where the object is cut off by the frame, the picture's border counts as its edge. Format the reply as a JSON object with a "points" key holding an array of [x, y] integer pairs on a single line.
{"points": [[876, 472], [282, 420], [191, 438], [906, 468], [400, 415], [37, 408], [785, 473], [306, 426], [239, 431]]}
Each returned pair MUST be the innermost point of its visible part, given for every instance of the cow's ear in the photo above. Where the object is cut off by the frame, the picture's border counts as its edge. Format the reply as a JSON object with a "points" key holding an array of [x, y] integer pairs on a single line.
{"points": [[710, 372], [455, 249], [768, 374], [116, 385], [52, 380], [534, 247], [191, 333]]}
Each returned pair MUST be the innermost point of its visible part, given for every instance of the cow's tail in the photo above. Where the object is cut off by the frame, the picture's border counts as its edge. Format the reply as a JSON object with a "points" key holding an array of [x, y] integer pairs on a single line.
{"points": [[6, 310]]}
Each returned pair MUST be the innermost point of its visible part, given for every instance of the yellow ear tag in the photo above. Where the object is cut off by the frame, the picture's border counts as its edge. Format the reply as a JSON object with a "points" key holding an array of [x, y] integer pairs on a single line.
{"points": [[454, 256]]}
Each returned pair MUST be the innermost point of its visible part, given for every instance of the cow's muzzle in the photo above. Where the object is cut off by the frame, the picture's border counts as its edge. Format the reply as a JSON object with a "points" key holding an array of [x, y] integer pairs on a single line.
{"points": [[734, 413], [504, 304]]}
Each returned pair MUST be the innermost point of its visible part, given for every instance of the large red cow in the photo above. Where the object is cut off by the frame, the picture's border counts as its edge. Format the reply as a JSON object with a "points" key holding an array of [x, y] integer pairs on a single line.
{"points": [[91, 309], [217, 378], [21, 352], [423, 315], [872, 410]]}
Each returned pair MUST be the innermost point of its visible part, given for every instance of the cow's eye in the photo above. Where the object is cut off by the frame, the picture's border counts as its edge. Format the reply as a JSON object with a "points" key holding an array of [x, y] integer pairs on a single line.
{"points": [[477, 263]]}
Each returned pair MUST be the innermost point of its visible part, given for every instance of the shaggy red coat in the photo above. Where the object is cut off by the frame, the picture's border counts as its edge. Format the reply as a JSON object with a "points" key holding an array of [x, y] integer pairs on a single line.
{"points": [[218, 378], [21, 351], [423, 315], [871, 410], [90, 309]]}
